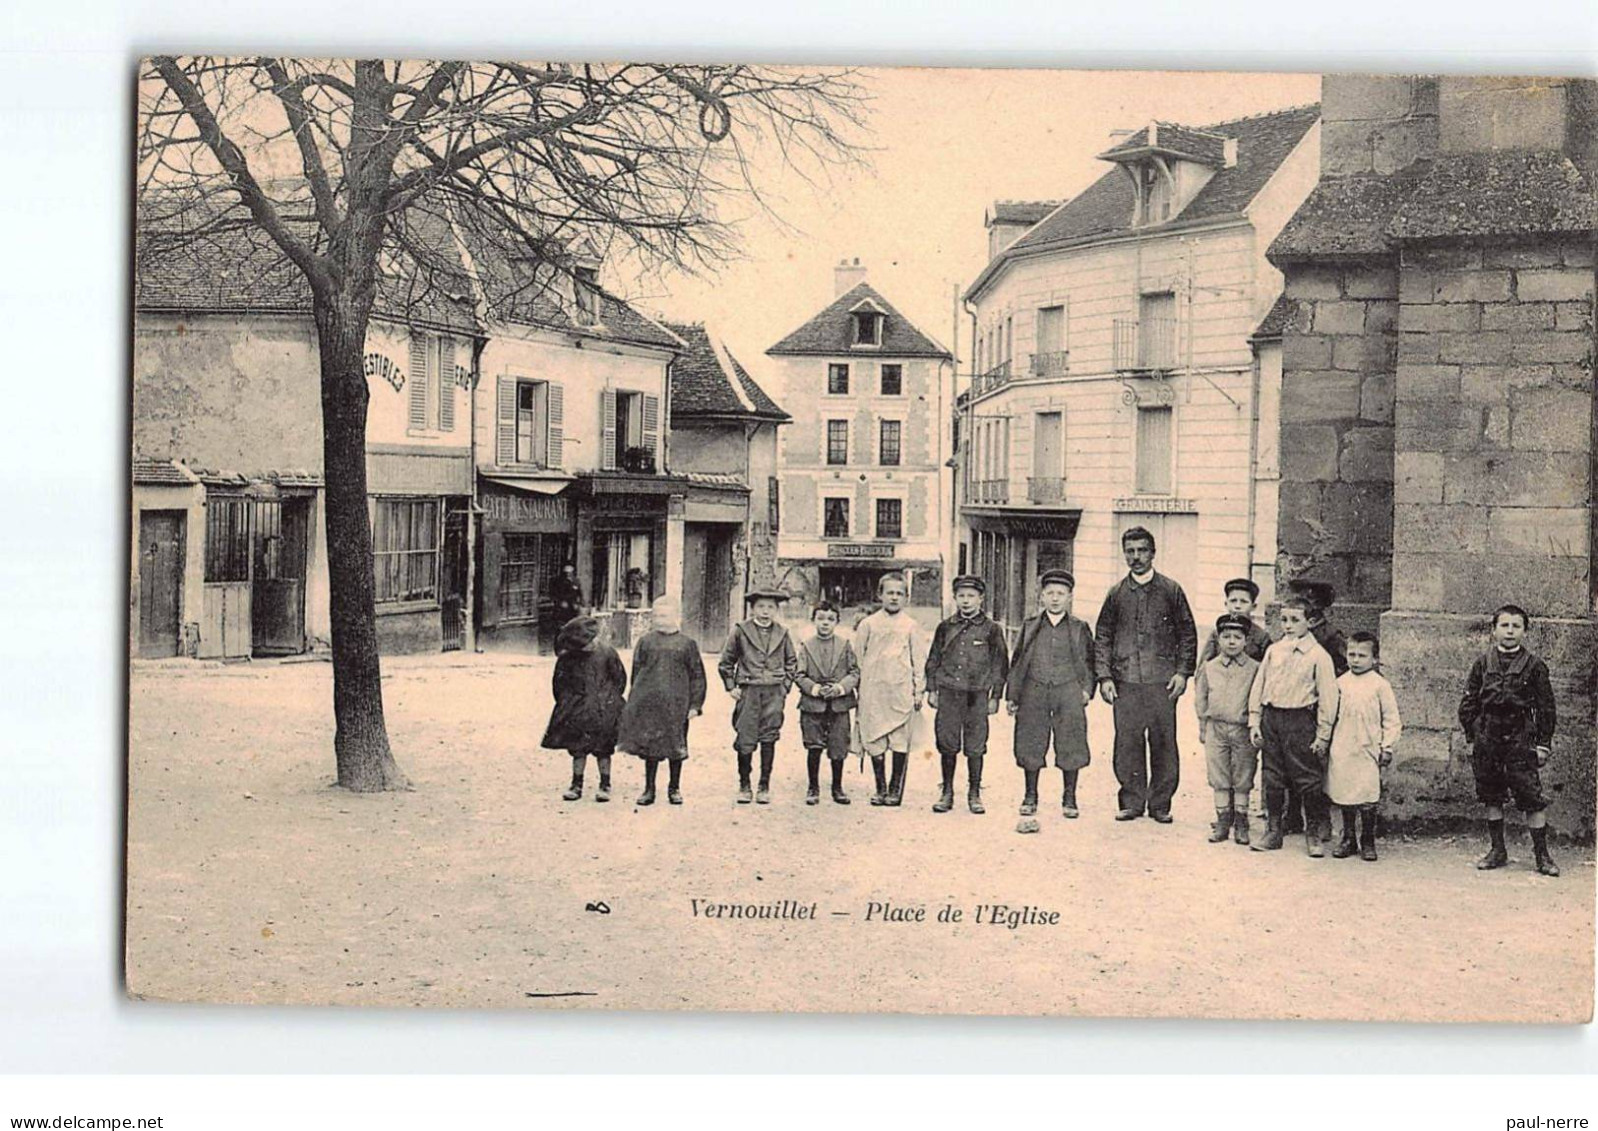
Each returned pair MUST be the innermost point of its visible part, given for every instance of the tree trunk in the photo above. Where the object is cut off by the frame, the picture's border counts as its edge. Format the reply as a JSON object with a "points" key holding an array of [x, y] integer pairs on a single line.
{"points": [[360, 742]]}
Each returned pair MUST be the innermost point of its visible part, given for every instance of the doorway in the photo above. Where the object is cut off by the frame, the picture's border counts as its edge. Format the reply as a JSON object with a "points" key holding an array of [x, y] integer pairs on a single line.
{"points": [[452, 587], [277, 585], [161, 545]]}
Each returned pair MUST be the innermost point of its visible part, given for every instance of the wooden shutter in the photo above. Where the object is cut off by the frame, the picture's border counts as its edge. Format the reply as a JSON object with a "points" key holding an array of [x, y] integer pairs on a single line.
{"points": [[652, 427], [557, 424], [607, 425], [446, 384], [418, 379], [505, 423]]}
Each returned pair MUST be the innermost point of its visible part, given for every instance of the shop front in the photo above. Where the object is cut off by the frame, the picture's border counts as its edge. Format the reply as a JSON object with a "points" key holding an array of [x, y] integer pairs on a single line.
{"points": [[624, 531], [715, 561], [850, 573], [419, 502], [1011, 550], [527, 530]]}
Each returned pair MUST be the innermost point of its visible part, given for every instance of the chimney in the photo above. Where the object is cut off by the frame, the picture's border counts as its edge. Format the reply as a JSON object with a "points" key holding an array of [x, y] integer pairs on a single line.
{"points": [[847, 276]]}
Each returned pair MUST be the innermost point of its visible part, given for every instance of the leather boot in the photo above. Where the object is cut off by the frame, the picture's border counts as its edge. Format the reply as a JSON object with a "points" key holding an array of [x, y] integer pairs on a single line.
{"points": [[813, 769], [603, 793], [839, 797], [1497, 856], [945, 800], [1272, 840], [879, 772], [973, 794], [574, 791], [651, 770], [1367, 832], [1223, 825], [768, 756], [745, 767], [1539, 846], [1029, 797], [1240, 827], [1346, 844], [901, 765], [1068, 795]]}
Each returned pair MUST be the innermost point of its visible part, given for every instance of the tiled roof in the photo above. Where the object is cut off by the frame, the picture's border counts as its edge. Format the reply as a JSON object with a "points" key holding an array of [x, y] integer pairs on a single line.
{"points": [[1021, 211], [1204, 145], [1105, 207], [161, 472], [1461, 195], [1282, 313], [831, 332], [706, 380]]}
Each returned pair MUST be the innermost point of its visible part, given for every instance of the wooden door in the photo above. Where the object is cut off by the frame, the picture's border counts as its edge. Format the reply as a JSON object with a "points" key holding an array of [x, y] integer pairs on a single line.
{"points": [[277, 584], [717, 589], [161, 547], [452, 590], [695, 549]]}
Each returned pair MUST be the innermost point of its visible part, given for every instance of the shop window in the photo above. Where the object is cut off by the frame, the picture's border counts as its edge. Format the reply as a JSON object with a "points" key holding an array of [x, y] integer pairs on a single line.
{"points": [[893, 380], [888, 443], [405, 549], [890, 518], [837, 442], [835, 519], [837, 380], [522, 577]]}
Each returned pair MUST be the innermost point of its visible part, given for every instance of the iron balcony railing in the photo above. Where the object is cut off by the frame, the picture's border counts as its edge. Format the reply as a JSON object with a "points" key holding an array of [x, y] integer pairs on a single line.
{"points": [[1045, 491], [988, 491], [992, 379], [1053, 363], [1145, 346]]}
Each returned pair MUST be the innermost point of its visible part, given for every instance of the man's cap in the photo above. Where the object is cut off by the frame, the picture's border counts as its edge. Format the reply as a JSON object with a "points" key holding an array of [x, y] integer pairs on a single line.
{"points": [[1319, 594], [754, 595], [1057, 577], [1231, 621], [970, 581], [1244, 584]]}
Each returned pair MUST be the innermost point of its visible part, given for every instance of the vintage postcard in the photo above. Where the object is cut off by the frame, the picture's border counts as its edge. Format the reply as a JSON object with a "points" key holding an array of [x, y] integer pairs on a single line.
{"points": [[785, 538]]}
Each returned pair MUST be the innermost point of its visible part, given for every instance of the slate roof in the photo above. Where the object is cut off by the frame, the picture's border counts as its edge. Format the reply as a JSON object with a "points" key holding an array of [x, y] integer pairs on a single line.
{"points": [[1281, 315], [1022, 211], [1457, 196], [1206, 145], [831, 333], [161, 472], [1105, 207], [707, 381], [239, 269]]}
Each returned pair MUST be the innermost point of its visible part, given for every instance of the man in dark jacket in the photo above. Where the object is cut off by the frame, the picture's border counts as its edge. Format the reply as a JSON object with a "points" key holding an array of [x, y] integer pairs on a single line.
{"points": [[966, 669], [1147, 650]]}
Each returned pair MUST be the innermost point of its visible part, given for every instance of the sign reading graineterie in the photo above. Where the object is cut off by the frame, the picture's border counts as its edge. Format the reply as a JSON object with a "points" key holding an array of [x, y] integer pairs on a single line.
{"points": [[519, 511], [378, 365], [1156, 504], [861, 550]]}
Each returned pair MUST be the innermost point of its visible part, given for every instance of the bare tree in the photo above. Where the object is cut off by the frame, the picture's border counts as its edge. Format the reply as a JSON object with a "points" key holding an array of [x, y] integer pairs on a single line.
{"points": [[338, 165]]}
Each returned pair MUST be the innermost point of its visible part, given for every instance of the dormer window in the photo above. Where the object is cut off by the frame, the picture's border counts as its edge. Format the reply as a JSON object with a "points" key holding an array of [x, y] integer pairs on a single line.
{"points": [[1154, 194], [586, 286], [867, 328], [1169, 165]]}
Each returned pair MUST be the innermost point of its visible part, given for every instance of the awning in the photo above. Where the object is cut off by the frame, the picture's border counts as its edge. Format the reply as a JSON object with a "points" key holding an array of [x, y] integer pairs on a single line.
{"points": [[548, 486], [1049, 524]]}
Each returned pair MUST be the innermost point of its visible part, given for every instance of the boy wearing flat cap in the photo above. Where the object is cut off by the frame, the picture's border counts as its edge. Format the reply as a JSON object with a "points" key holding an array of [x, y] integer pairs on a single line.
{"points": [[1220, 697], [966, 669], [759, 665], [1051, 681], [1241, 596]]}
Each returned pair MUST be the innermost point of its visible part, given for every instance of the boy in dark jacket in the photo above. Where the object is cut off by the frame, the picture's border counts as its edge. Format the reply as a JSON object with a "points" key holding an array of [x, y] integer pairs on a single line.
{"points": [[966, 668], [588, 686], [759, 666], [1051, 682], [1508, 715], [1241, 595], [828, 676]]}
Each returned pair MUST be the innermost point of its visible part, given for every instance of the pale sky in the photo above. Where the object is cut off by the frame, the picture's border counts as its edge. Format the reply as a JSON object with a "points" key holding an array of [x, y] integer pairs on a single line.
{"points": [[946, 143]]}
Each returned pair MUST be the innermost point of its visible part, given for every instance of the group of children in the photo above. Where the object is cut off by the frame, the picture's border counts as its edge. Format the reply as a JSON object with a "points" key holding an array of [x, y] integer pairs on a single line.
{"points": [[1310, 711]]}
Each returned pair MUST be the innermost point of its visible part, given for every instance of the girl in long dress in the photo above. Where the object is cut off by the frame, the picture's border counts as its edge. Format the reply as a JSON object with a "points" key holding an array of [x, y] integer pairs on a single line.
{"points": [[589, 684], [668, 690]]}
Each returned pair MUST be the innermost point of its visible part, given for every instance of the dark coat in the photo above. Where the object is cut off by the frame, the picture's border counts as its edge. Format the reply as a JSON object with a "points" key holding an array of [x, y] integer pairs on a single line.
{"points": [[668, 684], [1508, 701], [745, 663], [968, 655], [1333, 642], [589, 686], [845, 672], [1169, 642], [1085, 654]]}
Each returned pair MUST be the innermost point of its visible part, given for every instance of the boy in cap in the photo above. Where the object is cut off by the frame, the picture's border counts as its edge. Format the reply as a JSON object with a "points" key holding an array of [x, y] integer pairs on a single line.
{"points": [[1291, 706], [1220, 696], [966, 669], [1241, 595], [1508, 715], [1318, 597], [1051, 682], [828, 677], [758, 666]]}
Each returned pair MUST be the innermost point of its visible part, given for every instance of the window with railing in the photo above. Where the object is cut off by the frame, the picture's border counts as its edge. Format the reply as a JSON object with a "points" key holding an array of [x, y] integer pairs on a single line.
{"points": [[227, 538], [1148, 343]]}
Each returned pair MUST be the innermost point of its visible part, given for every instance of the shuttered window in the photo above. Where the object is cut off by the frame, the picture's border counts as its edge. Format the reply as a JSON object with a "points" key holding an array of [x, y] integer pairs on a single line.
{"points": [[446, 385], [557, 425], [505, 422], [607, 425], [418, 418], [650, 438], [1154, 450]]}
